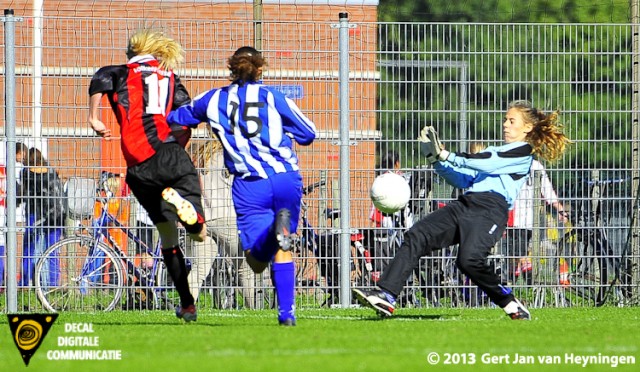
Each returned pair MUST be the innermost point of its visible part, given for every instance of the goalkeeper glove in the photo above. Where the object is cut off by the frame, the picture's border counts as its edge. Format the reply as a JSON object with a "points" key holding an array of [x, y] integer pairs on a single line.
{"points": [[430, 144]]}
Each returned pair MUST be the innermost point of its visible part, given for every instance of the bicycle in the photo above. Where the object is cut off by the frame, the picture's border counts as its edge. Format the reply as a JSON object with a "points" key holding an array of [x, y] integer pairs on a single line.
{"points": [[440, 281], [593, 265], [305, 248], [94, 273], [305, 241], [223, 284], [322, 259]]}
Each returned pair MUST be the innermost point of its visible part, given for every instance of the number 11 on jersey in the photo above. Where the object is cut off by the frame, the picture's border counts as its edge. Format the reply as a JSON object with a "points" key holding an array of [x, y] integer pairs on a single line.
{"points": [[158, 90]]}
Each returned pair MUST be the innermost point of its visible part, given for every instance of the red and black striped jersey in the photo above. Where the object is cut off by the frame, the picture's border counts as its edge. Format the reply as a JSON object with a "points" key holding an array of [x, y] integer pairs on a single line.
{"points": [[141, 95]]}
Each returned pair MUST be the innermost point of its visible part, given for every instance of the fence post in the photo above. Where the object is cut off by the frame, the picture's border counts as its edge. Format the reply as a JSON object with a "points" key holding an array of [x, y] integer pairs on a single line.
{"points": [[345, 180], [539, 280], [10, 132]]}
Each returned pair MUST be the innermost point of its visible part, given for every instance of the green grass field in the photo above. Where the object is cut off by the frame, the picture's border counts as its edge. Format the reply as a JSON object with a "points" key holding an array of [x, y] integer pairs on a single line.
{"points": [[341, 340]]}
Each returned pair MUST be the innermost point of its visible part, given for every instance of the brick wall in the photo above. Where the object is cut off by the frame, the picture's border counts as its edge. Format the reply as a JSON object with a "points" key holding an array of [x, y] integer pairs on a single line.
{"points": [[298, 42]]}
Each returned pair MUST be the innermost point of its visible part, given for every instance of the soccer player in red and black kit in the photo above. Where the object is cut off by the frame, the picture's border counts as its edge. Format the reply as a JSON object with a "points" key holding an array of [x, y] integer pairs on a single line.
{"points": [[160, 173]]}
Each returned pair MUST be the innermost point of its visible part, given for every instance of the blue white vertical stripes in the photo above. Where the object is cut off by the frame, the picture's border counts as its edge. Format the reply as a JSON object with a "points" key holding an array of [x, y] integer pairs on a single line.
{"points": [[256, 125]]}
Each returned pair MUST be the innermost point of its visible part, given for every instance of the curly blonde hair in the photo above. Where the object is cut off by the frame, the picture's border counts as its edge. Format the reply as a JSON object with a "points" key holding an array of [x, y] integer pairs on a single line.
{"points": [[546, 137], [153, 41]]}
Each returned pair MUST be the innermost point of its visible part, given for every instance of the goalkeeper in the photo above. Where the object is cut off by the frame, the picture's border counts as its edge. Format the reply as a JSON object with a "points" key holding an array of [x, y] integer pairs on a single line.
{"points": [[477, 219]]}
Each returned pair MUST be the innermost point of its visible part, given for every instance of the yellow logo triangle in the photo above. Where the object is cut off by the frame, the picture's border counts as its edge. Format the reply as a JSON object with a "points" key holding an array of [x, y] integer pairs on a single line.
{"points": [[28, 332]]}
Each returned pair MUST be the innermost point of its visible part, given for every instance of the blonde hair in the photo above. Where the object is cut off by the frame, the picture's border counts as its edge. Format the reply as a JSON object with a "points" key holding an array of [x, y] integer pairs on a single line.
{"points": [[203, 154], [152, 41], [476, 147], [546, 137], [114, 184]]}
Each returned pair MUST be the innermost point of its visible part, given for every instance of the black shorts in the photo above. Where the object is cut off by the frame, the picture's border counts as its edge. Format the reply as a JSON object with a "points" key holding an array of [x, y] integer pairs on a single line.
{"points": [[171, 166]]}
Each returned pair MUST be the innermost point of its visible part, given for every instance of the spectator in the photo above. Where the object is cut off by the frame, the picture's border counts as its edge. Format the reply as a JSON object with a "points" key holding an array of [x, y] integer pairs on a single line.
{"points": [[114, 189], [21, 154], [221, 224], [476, 147], [144, 231], [21, 151], [42, 193], [515, 246]]}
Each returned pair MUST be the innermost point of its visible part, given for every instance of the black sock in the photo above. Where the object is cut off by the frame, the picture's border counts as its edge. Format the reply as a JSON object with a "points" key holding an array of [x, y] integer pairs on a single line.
{"points": [[177, 269]]}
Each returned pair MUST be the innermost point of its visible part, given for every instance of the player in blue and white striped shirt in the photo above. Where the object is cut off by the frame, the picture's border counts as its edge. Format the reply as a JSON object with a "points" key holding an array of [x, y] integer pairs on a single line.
{"points": [[256, 125]]}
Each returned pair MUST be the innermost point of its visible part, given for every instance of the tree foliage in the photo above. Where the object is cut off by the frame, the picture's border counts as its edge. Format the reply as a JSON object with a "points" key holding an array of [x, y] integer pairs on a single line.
{"points": [[500, 11], [561, 62]]}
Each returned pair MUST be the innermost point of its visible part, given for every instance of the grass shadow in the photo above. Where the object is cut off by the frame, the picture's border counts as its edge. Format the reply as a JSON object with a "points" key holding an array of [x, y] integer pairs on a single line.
{"points": [[167, 322], [411, 317]]}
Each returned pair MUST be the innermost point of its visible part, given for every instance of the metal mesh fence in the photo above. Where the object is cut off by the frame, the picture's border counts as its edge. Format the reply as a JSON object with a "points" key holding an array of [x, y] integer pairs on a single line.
{"points": [[402, 76]]}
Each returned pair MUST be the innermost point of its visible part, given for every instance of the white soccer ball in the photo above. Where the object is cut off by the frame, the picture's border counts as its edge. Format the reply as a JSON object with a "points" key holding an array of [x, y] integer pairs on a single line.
{"points": [[390, 192]]}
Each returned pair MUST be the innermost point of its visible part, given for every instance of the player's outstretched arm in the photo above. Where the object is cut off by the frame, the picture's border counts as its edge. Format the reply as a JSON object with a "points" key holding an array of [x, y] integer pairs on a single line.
{"points": [[193, 114], [294, 121], [94, 114]]}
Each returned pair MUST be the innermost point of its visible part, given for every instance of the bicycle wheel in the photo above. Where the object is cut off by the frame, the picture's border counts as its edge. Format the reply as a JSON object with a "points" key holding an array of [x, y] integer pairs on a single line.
{"points": [[265, 293], [605, 258], [76, 274], [142, 292], [590, 278], [166, 296], [223, 291]]}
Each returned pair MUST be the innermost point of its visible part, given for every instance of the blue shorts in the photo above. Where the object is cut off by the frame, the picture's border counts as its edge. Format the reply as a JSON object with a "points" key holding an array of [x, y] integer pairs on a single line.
{"points": [[256, 201]]}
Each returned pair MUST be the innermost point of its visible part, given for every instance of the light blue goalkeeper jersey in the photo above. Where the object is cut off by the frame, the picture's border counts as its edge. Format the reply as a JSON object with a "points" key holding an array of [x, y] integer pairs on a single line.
{"points": [[500, 169], [256, 125]]}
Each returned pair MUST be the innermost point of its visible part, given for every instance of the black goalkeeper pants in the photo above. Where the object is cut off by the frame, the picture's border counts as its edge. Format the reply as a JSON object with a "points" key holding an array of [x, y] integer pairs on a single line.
{"points": [[475, 221]]}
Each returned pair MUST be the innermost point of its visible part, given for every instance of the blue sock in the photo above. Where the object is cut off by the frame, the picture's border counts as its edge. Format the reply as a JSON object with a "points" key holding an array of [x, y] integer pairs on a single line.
{"points": [[391, 298], [284, 278]]}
